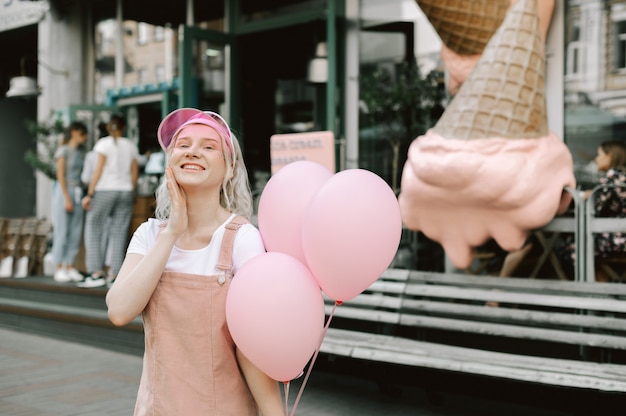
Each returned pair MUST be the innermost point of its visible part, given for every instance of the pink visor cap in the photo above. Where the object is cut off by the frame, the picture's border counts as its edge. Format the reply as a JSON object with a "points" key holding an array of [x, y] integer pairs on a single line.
{"points": [[175, 121]]}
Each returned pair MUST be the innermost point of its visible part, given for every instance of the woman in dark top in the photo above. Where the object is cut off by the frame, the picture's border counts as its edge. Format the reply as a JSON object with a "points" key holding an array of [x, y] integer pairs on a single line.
{"points": [[609, 201]]}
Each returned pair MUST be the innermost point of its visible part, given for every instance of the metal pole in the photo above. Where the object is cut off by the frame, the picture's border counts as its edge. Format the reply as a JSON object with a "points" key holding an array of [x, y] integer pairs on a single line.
{"points": [[191, 20], [352, 84], [331, 84], [119, 50]]}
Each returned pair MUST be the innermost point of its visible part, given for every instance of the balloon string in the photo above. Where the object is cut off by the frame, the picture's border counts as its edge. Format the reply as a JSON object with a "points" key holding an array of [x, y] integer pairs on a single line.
{"points": [[317, 350], [286, 390]]}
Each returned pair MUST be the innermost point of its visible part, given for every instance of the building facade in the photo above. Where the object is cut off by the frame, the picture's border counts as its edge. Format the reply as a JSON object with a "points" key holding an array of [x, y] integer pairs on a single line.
{"points": [[250, 60]]}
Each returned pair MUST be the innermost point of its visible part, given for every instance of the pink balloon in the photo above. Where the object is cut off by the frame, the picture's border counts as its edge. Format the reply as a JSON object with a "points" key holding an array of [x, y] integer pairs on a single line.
{"points": [[275, 314], [283, 202], [351, 232]]}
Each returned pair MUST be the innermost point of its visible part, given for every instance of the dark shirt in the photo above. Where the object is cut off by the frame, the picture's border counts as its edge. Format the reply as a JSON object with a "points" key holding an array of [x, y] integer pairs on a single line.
{"points": [[610, 201]]}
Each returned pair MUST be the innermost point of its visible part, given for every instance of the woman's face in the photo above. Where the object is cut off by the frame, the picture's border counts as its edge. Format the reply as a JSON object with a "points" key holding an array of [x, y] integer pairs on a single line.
{"points": [[197, 156], [79, 136], [603, 160]]}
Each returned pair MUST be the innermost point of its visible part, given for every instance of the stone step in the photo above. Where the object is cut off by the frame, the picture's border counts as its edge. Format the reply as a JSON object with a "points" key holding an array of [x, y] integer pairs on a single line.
{"points": [[45, 289], [61, 310]]}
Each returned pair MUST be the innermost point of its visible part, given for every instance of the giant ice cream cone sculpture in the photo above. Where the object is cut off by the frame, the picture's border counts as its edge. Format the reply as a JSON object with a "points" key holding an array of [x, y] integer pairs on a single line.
{"points": [[466, 26], [490, 168]]}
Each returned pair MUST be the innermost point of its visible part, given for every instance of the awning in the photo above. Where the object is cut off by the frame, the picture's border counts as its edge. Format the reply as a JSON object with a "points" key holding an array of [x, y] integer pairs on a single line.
{"points": [[16, 14], [157, 12]]}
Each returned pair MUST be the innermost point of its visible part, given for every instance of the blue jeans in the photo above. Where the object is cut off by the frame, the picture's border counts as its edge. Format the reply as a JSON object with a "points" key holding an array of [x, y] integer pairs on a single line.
{"points": [[67, 227]]}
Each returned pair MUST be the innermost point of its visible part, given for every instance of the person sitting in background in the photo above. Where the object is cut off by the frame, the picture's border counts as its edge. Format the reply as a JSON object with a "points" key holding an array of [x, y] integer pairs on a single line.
{"points": [[66, 202], [609, 201]]}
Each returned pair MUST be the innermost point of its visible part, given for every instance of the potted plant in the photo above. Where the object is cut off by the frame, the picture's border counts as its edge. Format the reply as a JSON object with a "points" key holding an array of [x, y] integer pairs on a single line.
{"points": [[46, 138]]}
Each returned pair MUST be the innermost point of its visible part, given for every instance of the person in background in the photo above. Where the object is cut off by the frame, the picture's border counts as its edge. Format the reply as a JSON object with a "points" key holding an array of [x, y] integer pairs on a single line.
{"points": [[177, 272], [110, 196], [66, 203], [609, 201], [91, 160]]}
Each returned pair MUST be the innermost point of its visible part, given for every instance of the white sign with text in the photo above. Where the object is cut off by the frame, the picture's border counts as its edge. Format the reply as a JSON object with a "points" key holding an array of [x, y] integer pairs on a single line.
{"points": [[315, 146]]}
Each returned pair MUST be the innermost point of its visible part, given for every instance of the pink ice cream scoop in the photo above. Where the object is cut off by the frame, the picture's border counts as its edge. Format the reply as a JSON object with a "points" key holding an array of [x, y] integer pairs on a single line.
{"points": [[461, 193], [490, 168]]}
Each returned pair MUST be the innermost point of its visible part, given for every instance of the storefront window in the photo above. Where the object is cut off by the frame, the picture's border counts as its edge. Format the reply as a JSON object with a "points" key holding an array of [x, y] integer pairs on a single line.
{"points": [[595, 80], [148, 55], [620, 50], [400, 96], [210, 73], [253, 10]]}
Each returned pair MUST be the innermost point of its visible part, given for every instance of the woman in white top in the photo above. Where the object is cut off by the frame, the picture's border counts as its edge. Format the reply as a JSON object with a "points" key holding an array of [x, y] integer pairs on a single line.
{"points": [[110, 196], [177, 272]]}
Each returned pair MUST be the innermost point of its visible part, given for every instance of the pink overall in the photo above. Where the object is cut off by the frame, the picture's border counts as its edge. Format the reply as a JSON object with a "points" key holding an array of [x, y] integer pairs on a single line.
{"points": [[189, 365]]}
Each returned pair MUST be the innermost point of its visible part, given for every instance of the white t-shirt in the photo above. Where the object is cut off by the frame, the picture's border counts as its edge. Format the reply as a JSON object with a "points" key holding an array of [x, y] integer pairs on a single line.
{"points": [[116, 173], [91, 159], [248, 244]]}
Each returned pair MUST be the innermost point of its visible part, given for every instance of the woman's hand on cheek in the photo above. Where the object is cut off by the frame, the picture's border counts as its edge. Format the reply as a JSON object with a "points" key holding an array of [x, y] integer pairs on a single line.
{"points": [[177, 222]]}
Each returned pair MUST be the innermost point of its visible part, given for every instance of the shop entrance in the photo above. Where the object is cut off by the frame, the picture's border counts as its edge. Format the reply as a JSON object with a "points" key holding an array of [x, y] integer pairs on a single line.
{"points": [[276, 96], [19, 49]]}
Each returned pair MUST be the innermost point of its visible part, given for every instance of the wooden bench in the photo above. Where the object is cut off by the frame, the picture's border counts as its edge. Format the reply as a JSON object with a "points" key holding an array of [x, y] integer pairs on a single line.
{"points": [[541, 331]]}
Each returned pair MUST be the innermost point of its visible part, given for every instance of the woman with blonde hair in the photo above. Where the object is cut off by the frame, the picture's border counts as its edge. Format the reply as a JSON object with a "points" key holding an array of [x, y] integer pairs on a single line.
{"points": [[177, 272]]}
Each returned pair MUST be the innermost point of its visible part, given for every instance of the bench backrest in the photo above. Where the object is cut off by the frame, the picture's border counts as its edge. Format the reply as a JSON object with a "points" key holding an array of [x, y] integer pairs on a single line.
{"points": [[415, 303]]}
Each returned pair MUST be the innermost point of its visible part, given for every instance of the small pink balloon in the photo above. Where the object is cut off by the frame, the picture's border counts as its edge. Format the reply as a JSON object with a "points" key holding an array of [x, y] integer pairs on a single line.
{"points": [[275, 314], [351, 232], [283, 202]]}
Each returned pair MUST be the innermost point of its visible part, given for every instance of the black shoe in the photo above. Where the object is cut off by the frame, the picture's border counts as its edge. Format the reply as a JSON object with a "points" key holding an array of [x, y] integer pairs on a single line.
{"points": [[93, 281]]}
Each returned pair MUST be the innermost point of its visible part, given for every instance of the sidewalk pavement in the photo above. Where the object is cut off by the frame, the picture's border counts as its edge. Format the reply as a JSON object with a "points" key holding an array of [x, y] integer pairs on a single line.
{"points": [[42, 376]]}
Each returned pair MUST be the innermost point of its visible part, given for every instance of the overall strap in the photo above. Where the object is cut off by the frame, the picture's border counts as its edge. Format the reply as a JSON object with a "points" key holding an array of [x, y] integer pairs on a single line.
{"points": [[225, 262]]}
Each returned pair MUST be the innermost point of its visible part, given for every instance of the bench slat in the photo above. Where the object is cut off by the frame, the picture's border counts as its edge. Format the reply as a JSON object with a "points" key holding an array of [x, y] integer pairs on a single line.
{"points": [[370, 301], [515, 315], [380, 286], [452, 292], [370, 315], [524, 284], [401, 275], [361, 309], [568, 373], [517, 331]]}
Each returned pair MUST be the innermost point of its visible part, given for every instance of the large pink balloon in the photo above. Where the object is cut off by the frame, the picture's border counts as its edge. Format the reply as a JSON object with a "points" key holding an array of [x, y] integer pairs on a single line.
{"points": [[351, 232], [283, 202], [275, 314]]}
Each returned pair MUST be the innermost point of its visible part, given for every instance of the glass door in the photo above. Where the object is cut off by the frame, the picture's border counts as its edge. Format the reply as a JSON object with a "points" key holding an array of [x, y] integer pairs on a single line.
{"points": [[206, 71]]}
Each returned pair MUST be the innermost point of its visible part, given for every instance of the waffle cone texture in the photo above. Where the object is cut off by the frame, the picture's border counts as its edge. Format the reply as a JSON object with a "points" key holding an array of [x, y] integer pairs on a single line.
{"points": [[504, 94], [465, 26]]}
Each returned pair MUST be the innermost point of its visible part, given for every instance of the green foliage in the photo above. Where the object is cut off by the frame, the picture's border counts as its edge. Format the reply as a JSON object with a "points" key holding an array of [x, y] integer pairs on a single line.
{"points": [[45, 135], [401, 103]]}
